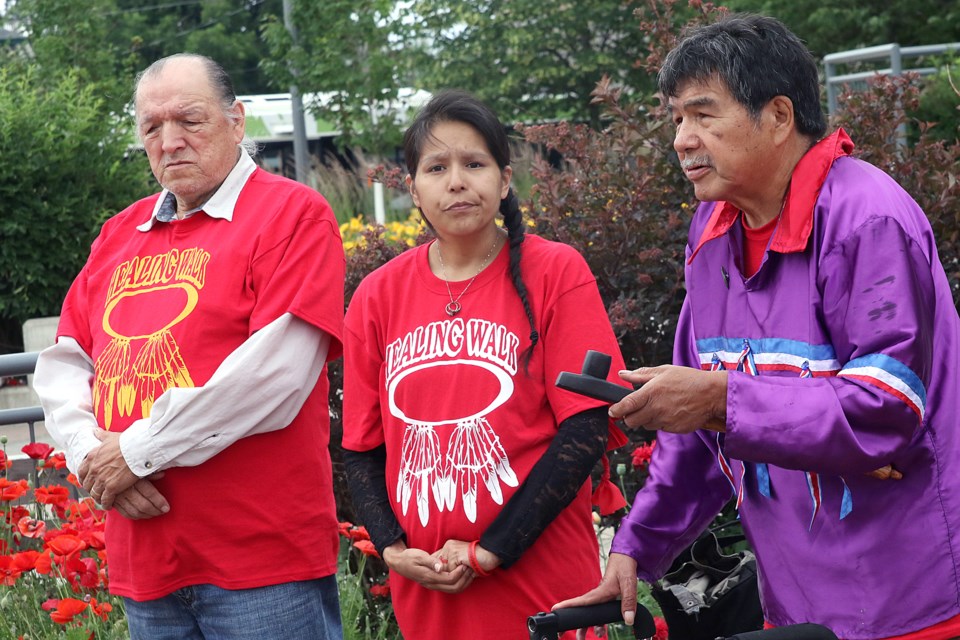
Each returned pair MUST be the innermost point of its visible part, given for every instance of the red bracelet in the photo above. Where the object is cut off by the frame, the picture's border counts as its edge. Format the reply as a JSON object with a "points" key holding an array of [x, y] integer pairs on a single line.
{"points": [[474, 564]]}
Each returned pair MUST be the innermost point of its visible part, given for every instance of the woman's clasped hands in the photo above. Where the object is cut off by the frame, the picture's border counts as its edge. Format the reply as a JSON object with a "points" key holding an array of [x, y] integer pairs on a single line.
{"points": [[449, 569]]}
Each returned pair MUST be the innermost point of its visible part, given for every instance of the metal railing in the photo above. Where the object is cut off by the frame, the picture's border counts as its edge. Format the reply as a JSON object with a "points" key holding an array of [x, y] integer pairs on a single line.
{"points": [[19, 364], [893, 54]]}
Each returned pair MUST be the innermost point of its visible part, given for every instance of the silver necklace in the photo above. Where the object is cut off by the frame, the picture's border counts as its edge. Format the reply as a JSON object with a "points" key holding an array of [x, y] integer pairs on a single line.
{"points": [[453, 307]]}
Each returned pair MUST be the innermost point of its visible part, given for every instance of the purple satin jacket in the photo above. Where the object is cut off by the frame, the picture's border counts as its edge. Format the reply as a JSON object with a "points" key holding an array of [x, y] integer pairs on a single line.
{"points": [[843, 353]]}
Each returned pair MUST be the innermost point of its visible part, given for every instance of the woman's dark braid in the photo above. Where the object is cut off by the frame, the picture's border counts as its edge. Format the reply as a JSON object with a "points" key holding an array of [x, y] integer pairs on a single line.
{"points": [[513, 221]]}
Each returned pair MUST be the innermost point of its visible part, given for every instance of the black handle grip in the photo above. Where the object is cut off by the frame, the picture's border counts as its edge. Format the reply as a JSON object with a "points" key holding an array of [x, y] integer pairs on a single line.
{"points": [[592, 381], [805, 631], [548, 625], [582, 617]]}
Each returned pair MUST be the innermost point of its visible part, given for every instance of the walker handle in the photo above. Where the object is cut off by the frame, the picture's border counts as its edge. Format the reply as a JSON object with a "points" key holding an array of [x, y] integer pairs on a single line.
{"points": [[805, 631], [547, 626]]}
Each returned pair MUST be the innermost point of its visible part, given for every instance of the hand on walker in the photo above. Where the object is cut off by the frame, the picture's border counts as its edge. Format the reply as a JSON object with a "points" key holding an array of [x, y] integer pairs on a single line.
{"points": [[674, 399], [619, 579]]}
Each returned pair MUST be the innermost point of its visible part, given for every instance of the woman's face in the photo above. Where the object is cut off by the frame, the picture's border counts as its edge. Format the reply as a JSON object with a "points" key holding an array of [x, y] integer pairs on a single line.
{"points": [[458, 184]]}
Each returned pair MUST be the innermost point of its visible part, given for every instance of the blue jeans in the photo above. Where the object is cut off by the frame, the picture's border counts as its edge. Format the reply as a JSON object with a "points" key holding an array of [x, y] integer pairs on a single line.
{"points": [[308, 610]]}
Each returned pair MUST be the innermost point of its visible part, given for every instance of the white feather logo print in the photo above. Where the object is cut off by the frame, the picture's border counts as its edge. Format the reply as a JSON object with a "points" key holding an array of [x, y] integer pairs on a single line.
{"points": [[475, 460]]}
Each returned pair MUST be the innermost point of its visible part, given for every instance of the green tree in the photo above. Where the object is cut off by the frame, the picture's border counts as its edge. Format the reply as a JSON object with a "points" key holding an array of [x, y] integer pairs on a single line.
{"points": [[940, 102], [351, 54], [113, 39], [226, 30], [828, 26], [531, 61], [66, 36], [64, 167]]}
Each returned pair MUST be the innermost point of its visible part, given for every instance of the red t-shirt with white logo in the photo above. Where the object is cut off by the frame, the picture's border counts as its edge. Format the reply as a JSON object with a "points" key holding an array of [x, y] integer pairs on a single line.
{"points": [[464, 423], [164, 308]]}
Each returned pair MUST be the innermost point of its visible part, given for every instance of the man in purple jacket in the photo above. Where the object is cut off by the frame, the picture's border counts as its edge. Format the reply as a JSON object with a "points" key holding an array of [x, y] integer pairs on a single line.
{"points": [[816, 359]]}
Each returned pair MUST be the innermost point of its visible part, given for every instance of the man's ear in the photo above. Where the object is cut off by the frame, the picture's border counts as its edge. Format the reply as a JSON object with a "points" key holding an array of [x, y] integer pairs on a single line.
{"points": [[780, 109], [241, 120]]}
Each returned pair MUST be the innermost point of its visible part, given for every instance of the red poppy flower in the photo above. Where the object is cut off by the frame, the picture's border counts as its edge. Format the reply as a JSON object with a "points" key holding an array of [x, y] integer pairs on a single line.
{"points": [[81, 572], [55, 495], [72, 479], [67, 609], [10, 490], [380, 590], [5, 462], [16, 512], [662, 631], [37, 450], [26, 560], [31, 528], [366, 547], [99, 609], [44, 564], [358, 533], [642, 454], [66, 529], [596, 633], [51, 604], [9, 572], [56, 461], [94, 539], [65, 544]]}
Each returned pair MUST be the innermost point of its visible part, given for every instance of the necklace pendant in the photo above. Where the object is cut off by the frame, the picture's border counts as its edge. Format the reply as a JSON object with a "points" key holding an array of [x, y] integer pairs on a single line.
{"points": [[452, 308]]}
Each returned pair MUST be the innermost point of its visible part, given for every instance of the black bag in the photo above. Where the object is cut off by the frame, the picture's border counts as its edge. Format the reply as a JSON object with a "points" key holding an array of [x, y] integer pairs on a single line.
{"points": [[710, 593]]}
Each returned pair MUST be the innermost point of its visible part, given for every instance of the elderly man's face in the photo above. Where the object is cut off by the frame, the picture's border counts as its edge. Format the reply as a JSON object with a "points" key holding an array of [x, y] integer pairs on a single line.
{"points": [[190, 143], [724, 151]]}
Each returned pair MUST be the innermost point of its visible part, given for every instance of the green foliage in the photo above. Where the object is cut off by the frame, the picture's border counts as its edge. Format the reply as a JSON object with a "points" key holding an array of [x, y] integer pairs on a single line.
{"points": [[366, 615], [837, 25], [63, 169], [620, 199], [530, 61], [350, 50], [225, 30], [940, 102], [68, 36], [108, 41]]}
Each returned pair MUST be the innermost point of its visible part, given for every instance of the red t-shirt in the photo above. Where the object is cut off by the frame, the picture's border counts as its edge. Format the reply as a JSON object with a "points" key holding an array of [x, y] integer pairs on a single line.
{"points": [[463, 423], [164, 308], [755, 243]]}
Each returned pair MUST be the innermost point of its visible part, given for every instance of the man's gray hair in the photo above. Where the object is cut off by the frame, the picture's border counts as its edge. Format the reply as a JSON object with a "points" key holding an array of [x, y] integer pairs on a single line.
{"points": [[219, 81]]}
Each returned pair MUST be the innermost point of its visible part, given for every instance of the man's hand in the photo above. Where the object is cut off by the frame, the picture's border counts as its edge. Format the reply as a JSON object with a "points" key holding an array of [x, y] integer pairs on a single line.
{"points": [[619, 579], [887, 472], [142, 500], [427, 569], [674, 399], [104, 472]]}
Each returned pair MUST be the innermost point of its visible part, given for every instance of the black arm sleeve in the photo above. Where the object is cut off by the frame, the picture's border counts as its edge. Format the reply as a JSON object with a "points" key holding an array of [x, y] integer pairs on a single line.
{"points": [[553, 483], [366, 479]]}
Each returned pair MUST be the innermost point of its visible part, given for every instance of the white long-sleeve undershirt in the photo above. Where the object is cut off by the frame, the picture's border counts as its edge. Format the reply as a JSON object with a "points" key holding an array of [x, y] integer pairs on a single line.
{"points": [[258, 388]]}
